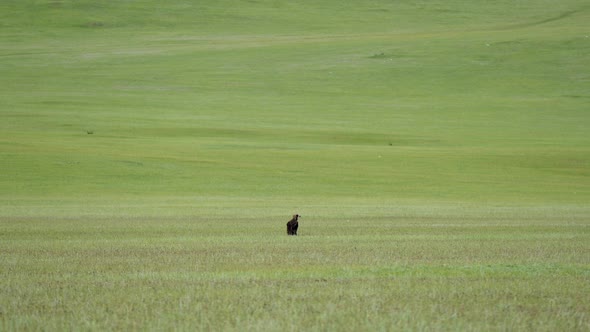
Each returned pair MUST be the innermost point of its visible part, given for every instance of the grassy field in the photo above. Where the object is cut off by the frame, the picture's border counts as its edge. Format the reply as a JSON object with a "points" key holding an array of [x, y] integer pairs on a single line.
{"points": [[151, 153]]}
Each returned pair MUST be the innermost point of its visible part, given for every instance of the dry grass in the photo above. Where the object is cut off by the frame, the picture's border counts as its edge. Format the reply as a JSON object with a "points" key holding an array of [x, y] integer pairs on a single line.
{"points": [[493, 270]]}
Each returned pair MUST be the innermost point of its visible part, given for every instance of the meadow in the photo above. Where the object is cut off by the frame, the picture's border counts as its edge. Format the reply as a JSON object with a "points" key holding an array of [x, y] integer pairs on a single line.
{"points": [[151, 154]]}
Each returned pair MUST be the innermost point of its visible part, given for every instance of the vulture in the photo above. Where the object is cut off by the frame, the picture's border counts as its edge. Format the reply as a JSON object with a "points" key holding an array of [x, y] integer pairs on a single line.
{"points": [[292, 225]]}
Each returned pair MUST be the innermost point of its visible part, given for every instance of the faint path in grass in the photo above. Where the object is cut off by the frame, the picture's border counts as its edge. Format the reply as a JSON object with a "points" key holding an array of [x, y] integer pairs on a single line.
{"points": [[561, 16]]}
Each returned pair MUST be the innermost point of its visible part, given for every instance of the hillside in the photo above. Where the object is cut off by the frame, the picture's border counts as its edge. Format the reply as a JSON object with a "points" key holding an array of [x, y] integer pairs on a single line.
{"points": [[445, 100], [151, 153]]}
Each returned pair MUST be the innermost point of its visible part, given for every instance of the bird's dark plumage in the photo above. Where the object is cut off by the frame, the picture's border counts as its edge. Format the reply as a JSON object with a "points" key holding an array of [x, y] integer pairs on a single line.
{"points": [[292, 225]]}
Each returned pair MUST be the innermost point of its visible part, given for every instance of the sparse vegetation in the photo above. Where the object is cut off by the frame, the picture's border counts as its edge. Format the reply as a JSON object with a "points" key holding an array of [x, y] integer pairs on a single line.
{"points": [[438, 151]]}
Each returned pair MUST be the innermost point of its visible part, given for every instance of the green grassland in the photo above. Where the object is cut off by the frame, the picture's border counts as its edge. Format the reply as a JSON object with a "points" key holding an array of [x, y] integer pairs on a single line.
{"points": [[151, 153]]}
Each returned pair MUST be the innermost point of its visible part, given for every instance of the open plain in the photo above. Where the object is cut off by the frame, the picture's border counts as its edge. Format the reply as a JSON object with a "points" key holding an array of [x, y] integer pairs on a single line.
{"points": [[152, 152]]}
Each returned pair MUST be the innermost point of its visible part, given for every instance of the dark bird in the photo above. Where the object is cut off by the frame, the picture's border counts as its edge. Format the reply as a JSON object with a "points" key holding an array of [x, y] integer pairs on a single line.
{"points": [[292, 225]]}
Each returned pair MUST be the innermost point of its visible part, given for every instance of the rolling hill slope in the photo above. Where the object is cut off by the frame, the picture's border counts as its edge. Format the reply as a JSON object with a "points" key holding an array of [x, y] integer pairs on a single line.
{"points": [[454, 100]]}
